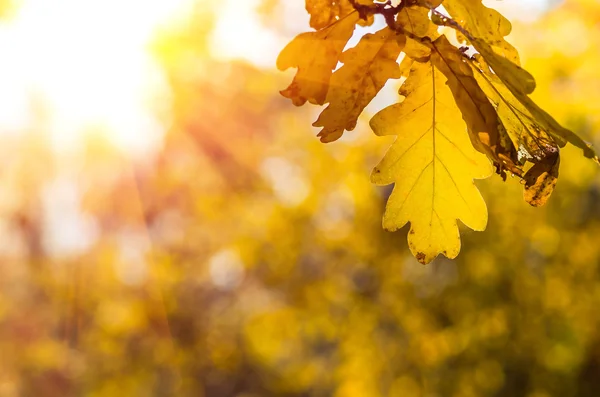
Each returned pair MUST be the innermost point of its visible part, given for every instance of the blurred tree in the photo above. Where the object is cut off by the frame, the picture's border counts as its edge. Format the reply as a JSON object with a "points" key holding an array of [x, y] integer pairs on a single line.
{"points": [[244, 258]]}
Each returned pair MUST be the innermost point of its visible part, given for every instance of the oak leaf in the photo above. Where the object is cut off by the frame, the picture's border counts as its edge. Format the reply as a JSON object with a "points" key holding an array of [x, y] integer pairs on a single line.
{"points": [[316, 55], [541, 179], [432, 164], [415, 22], [367, 67]]}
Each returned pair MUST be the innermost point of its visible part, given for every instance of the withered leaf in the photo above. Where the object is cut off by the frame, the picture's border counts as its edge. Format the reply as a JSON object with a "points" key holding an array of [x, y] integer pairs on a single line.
{"points": [[367, 67], [315, 54], [541, 179]]}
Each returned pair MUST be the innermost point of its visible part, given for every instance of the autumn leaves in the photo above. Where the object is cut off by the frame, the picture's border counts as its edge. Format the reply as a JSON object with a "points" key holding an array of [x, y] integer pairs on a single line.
{"points": [[457, 109], [315, 54], [367, 67]]}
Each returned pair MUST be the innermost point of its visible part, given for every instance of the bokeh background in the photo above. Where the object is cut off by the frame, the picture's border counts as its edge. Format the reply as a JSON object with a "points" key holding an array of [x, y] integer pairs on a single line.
{"points": [[170, 225]]}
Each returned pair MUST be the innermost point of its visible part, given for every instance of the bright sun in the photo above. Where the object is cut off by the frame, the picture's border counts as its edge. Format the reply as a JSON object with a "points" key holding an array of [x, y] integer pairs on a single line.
{"points": [[88, 64]]}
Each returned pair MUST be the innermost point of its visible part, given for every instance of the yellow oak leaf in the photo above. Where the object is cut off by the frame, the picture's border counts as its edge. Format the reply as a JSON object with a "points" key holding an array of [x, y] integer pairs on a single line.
{"points": [[415, 20], [367, 67], [316, 55], [483, 23], [432, 164]]}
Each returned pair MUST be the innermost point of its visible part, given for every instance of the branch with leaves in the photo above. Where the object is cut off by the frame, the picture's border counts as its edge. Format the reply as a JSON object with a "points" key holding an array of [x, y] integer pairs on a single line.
{"points": [[458, 115]]}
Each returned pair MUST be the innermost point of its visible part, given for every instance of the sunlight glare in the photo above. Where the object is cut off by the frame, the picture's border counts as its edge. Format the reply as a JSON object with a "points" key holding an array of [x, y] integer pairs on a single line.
{"points": [[87, 64], [240, 34]]}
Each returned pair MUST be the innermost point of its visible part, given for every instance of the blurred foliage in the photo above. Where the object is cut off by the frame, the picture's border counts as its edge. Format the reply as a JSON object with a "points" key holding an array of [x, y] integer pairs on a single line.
{"points": [[247, 259]]}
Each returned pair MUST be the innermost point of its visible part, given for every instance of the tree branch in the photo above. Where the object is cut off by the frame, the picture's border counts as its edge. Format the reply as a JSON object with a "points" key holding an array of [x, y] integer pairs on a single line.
{"points": [[389, 12]]}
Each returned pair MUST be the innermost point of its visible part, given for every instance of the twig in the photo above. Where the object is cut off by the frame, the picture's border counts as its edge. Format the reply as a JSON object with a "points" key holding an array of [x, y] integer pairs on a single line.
{"points": [[389, 12]]}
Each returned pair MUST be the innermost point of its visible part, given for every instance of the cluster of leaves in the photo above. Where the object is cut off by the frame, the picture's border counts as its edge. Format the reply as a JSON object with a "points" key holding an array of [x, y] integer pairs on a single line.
{"points": [[463, 107]]}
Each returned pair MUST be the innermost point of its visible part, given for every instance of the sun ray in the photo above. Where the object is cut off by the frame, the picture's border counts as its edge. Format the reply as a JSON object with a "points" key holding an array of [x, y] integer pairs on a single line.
{"points": [[89, 64]]}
